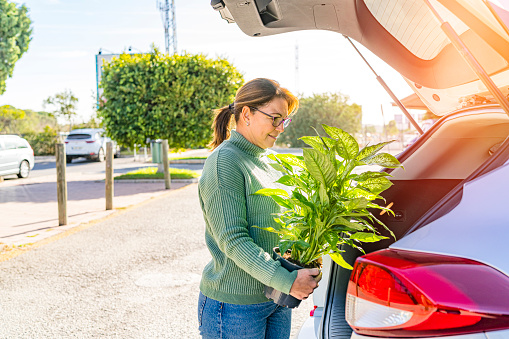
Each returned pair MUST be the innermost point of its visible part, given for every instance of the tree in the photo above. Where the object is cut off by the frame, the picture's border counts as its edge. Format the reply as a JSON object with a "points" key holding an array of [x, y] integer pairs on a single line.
{"points": [[392, 128], [10, 118], [158, 96], [15, 36], [330, 108], [64, 104]]}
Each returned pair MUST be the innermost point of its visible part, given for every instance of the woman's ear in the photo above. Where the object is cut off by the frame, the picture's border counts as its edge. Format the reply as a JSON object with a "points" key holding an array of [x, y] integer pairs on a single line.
{"points": [[246, 115]]}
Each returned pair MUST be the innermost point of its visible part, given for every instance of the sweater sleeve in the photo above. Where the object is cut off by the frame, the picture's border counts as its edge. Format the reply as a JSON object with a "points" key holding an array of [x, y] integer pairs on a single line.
{"points": [[226, 210]]}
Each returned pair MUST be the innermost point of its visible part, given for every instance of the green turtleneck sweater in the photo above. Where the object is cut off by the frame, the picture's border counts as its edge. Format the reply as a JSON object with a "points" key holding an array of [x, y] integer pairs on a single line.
{"points": [[241, 264]]}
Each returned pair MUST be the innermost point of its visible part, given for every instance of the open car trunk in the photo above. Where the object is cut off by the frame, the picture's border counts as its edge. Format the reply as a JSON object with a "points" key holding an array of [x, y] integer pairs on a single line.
{"points": [[403, 33]]}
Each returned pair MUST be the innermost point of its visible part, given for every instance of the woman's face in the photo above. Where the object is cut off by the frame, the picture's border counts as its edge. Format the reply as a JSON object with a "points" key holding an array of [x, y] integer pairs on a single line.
{"points": [[260, 130]]}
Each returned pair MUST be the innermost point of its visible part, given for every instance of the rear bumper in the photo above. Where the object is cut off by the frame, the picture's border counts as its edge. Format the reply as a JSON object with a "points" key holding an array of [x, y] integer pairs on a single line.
{"points": [[309, 330], [485, 335], [81, 155]]}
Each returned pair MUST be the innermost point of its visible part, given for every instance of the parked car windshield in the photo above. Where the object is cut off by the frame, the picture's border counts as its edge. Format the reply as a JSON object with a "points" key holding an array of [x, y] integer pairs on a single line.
{"points": [[78, 136]]}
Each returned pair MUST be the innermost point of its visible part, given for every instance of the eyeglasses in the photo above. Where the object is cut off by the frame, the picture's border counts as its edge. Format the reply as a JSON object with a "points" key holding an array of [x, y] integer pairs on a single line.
{"points": [[276, 121]]}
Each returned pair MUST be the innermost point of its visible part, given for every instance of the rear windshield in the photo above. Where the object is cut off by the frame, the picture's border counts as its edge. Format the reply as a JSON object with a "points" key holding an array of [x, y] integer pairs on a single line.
{"points": [[78, 136], [22, 143]]}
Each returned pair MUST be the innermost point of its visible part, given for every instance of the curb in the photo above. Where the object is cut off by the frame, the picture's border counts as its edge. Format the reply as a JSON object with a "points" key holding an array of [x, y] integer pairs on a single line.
{"points": [[190, 161], [183, 181]]}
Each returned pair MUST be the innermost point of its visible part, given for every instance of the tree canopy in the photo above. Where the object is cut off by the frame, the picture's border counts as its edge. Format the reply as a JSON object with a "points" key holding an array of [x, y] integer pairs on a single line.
{"points": [[159, 96], [15, 35], [330, 109], [64, 105]]}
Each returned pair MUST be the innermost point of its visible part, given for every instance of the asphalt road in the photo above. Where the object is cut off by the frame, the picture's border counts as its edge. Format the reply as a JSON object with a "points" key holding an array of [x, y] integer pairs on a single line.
{"points": [[134, 275], [46, 166]]}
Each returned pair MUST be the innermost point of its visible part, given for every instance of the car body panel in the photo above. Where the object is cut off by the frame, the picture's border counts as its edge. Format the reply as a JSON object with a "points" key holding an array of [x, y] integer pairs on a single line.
{"points": [[14, 150], [465, 336], [503, 334]]}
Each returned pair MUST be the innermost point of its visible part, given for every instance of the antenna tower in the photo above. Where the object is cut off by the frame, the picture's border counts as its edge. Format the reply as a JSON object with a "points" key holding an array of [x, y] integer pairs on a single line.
{"points": [[167, 9]]}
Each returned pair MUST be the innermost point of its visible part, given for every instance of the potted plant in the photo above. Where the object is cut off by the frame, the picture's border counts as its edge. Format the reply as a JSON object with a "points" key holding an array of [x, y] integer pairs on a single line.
{"points": [[326, 201]]}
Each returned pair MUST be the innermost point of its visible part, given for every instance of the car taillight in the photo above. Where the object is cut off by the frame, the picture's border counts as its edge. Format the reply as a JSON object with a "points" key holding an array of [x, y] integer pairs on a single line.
{"points": [[90, 141], [66, 142], [395, 293]]}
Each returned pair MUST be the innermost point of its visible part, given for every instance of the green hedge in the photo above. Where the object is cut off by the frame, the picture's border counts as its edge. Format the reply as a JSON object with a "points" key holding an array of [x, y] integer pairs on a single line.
{"points": [[157, 96], [42, 143]]}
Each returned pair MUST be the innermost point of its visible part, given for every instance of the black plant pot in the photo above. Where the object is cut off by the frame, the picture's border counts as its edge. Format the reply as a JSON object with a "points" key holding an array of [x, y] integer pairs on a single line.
{"points": [[279, 297]]}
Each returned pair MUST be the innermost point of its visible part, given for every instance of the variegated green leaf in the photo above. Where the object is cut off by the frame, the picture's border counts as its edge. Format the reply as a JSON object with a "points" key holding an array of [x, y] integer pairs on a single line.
{"points": [[278, 167], [368, 175], [319, 166], [359, 192], [347, 141], [324, 198], [370, 151], [377, 185], [332, 238], [272, 191], [385, 160], [292, 160], [367, 237], [338, 259], [356, 203], [353, 225], [287, 180], [286, 203]]}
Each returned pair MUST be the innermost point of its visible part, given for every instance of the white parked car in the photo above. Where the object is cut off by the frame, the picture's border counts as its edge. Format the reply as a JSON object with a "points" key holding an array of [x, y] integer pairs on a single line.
{"points": [[16, 156], [87, 143], [447, 275]]}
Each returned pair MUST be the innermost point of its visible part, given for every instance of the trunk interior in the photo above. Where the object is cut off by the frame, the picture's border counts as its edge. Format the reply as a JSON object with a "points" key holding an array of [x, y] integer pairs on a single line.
{"points": [[456, 149]]}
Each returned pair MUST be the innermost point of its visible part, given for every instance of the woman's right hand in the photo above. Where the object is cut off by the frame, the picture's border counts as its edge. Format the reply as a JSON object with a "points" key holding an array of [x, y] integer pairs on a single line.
{"points": [[306, 281]]}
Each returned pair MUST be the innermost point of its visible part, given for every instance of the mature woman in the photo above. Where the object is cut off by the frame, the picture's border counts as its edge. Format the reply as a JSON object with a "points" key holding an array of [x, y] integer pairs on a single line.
{"points": [[232, 303]]}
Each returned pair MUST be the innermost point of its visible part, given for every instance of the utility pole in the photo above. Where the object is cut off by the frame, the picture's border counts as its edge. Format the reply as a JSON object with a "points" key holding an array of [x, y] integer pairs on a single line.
{"points": [[167, 9]]}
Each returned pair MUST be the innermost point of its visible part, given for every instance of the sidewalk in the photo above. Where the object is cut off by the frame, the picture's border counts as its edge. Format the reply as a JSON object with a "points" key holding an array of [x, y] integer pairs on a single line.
{"points": [[29, 209]]}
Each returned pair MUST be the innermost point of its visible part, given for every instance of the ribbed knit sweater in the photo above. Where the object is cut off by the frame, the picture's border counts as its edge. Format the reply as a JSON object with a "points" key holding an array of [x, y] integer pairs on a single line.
{"points": [[241, 254]]}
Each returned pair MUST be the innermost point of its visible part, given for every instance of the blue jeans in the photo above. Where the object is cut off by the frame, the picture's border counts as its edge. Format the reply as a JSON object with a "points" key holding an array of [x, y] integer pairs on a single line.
{"points": [[219, 320]]}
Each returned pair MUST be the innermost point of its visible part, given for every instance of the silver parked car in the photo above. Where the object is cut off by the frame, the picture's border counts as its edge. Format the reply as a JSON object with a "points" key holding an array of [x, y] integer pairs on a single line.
{"points": [[447, 273], [16, 156], [87, 143]]}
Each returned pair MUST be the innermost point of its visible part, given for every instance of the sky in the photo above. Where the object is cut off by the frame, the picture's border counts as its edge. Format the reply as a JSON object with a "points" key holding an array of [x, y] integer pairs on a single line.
{"points": [[67, 35]]}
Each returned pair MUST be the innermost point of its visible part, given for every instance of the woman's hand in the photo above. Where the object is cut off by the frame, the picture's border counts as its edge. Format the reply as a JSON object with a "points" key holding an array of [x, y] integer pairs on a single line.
{"points": [[306, 281]]}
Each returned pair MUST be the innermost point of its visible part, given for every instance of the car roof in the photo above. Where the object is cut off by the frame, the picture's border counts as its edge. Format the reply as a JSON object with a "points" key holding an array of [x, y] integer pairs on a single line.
{"points": [[10, 136], [403, 33], [86, 130]]}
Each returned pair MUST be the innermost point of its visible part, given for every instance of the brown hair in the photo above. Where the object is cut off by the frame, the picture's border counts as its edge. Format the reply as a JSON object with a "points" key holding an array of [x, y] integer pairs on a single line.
{"points": [[255, 93]]}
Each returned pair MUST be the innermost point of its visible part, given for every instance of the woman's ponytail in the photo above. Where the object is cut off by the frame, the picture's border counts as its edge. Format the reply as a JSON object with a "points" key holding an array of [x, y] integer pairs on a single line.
{"points": [[221, 125]]}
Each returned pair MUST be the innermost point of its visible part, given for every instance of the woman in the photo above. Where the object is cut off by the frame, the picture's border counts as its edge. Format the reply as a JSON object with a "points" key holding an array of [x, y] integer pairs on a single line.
{"points": [[232, 303]]}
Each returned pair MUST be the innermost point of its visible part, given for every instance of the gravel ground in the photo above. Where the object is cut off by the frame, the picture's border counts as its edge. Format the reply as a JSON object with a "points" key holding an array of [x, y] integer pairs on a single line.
{"points": [[132, 276]]}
